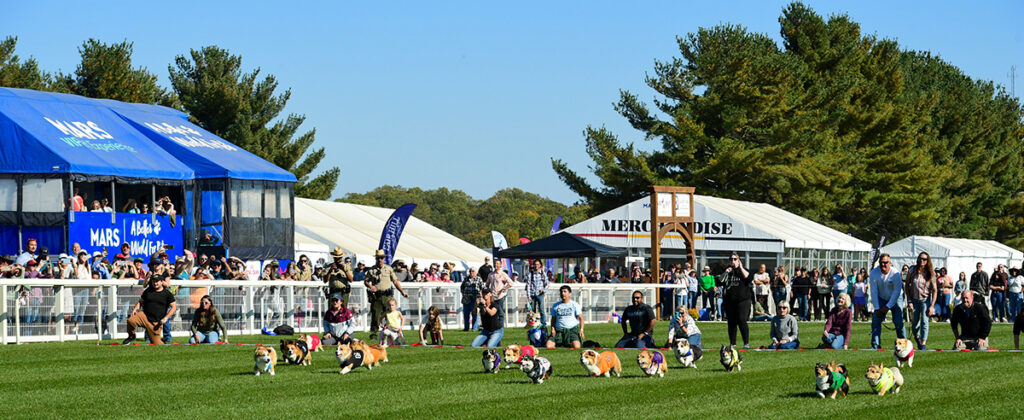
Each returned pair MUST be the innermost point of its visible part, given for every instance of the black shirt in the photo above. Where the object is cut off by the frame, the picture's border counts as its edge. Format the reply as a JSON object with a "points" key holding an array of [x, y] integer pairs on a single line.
{"points": [[979, 282], [971, 323], [488, 321], [737, 287], [155, 304], [485, 271], [802, 285], [638, 317]]}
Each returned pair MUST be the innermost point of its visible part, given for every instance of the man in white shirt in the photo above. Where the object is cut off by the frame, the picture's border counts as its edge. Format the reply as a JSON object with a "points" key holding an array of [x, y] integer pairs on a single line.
{"points": [[886, 295]]}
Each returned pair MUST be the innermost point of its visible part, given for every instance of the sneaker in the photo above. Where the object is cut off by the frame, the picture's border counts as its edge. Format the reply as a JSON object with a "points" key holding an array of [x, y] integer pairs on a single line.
{"points": [[128, 340], [746, 346]]}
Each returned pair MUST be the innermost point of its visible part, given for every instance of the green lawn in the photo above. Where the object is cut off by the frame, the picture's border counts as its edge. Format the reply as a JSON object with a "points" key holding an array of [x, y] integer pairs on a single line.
{"points": [[85, 380]]}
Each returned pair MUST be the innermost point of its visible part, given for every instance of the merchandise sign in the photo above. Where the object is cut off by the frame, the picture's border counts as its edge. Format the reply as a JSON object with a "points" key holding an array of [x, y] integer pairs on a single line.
{"points": [[144, 233]]}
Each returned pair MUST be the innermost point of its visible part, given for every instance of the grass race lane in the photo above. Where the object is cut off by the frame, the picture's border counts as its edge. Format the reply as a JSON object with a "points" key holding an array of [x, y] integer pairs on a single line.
{"points": [[82, 379]]}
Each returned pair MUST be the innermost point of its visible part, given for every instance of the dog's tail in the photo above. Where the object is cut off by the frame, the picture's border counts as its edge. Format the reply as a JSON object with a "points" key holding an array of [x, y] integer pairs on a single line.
{"points": [[698, 353]]}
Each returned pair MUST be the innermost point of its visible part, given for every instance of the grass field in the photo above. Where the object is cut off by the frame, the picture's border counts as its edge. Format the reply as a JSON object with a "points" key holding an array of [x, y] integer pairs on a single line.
{"points": [[86, 380]]}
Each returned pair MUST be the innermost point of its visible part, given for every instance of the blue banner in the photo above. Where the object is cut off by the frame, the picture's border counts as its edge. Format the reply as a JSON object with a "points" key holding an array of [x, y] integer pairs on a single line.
{"points": [[393, 231], [93, 231], [550, 263]]}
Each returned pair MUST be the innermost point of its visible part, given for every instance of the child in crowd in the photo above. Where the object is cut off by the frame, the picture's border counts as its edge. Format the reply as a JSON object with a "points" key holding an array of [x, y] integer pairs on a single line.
{"points": [[684, 327], [391, 331], [860, 298], [430, 327]]}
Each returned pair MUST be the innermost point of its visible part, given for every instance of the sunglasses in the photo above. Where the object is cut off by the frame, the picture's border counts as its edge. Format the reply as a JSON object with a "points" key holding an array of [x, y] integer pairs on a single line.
{"points": [[922, 259], [884, 262], [206, 303], [734, 259]]}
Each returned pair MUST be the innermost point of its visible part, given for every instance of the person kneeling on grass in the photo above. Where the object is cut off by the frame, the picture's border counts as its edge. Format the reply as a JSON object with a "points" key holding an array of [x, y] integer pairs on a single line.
{"points": [[971, 323], [490, 322], [430, 327], [838, 325], [338, 322], [566, 322], [639, 318], [206, 323], [683, 327], [157, 306], [784, 330]]}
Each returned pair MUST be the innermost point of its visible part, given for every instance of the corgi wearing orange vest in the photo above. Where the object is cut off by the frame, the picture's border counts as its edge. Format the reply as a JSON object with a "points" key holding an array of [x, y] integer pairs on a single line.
{"points": [[604, 364]]}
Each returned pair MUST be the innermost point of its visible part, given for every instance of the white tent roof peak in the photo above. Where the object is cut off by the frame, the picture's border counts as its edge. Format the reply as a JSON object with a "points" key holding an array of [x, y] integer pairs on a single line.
{"points": [[952, 247]]}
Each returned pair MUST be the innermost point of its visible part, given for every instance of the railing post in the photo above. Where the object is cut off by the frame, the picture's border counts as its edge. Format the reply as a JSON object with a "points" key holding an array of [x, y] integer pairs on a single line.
{"points": [[112, 311], [291, 305], [60, 314], [3, 313], [17, 319], [250, 311], [365, 304]]}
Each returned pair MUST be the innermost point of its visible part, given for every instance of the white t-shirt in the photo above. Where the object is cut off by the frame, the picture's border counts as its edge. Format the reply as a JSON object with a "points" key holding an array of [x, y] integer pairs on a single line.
{"points": [[692, 283], [1016, 284], [565, 314], [761, 289]]}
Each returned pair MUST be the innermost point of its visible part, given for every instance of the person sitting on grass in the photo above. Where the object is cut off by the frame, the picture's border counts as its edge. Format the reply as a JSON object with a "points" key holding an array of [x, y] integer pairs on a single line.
{"points": [[838, 325], [566, 321], [684, 327], [430, 327], [971, 323], [490, 321], [393, 320], [784, 329], [639, 319], [760, 315], [338, 322], [206, 323]]}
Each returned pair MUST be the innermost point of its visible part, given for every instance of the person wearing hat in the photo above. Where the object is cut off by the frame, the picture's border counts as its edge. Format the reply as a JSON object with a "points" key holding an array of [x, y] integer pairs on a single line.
{"points": [[338, 322], [156, 306], [707, 291], [339, 276], [381, 281]]}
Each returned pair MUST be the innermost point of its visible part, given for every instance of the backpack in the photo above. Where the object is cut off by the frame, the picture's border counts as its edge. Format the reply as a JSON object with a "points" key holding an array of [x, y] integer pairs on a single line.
{"points": [[284, 329]]}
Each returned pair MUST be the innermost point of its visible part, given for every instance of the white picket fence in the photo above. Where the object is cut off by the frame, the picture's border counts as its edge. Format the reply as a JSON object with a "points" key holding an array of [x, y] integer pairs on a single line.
{"points": [[63, 310]]}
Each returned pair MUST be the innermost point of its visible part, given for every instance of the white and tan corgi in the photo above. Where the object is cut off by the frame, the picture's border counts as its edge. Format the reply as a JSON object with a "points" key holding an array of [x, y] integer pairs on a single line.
{"points": [[266, 360], [686, 354], [514, 354], [537, 368], [903, 352], [652, 363], [349, 358], [604, 364], [883, 379]]}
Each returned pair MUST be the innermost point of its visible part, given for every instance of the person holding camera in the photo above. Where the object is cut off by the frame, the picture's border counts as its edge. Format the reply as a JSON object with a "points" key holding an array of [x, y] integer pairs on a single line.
{"points": [[493, 328], [339, 276]]}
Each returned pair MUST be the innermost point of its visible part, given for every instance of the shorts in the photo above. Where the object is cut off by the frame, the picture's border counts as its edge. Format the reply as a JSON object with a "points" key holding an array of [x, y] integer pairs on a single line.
{"points": [[565, 337]]}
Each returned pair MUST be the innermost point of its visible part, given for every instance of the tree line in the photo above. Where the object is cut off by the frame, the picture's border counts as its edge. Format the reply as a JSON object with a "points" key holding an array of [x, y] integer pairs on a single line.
{"points": [[209, 84], [841, 127]]}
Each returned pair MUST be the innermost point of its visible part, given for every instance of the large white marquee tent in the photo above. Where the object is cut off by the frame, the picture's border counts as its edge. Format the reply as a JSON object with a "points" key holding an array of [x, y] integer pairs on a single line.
{"points": [[762, 233], [322, 225], [956, 254]]}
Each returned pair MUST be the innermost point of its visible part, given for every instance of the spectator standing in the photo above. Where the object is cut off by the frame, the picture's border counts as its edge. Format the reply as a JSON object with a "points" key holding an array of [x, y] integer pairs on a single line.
{"points": [[486, 269], [635, 274], [381, 281], [780, 285], [979, 282], [637, 324], [802, 286], [737, 281], [1015, 291], [692, 285], [339, 276], [886, 291], [839, 324], [536, 284], [762, 287], [566, 322], [945, 284], [860, 297], [707, 291], [498, 283], [958, 288], [839, 283], [824, 288], [971, 323], [922, 292], [997, 292], [31, 246], [471, 288], [784, 333]]}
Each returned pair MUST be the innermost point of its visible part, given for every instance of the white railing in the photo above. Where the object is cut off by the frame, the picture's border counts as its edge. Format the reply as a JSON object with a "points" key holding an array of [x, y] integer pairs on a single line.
{"points": [[61, 310]]}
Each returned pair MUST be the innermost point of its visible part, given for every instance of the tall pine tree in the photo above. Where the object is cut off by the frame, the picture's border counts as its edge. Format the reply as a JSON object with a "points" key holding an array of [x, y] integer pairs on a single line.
{"points": [[106, 72], [20, 74], [243, 109]]}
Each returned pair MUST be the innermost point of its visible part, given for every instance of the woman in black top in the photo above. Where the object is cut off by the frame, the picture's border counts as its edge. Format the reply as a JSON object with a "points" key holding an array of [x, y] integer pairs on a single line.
{"points": [[737, 299], [491, 325]]}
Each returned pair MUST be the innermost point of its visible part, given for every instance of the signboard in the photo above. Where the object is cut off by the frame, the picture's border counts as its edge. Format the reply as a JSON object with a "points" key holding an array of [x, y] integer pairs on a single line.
{"points": [[93, 231]]}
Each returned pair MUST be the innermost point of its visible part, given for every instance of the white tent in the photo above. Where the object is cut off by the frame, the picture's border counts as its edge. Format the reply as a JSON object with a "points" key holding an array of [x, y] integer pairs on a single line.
{"points": [[322, 225], [722, 224], [955, 254]]}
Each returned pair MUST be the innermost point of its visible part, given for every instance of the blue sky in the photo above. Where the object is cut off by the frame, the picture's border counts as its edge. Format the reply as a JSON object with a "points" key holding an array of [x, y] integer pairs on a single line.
{"points": [[474, 96]]}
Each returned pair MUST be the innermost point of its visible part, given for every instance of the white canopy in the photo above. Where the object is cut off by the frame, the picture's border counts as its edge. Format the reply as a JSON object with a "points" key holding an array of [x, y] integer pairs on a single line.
{"points": [[956, 254], [322, 225], [722, 224]]}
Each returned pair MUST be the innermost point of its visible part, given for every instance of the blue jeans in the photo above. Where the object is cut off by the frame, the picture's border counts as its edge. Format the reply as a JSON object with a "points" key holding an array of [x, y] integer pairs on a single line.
{"points": [[835, 295], [693, 299], [81, 303], [805, 309], [490, 338], [919, 320], [762, 318], [694, 340], [718, 303], [631, 342], [1016, 300], [538, 306], [779, 295], [469, 314], [998, 305], [876, 326], [942, 306], [208, 338], [31, 314], [834, 341], [792, 345]]}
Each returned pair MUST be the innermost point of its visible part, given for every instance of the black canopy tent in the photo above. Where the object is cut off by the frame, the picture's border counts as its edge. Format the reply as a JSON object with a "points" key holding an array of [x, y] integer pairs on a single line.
{"points": [[560, 245]]}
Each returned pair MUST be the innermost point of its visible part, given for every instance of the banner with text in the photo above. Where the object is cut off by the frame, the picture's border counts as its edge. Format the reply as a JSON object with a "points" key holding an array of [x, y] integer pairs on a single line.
{"points": [[93, 231]]}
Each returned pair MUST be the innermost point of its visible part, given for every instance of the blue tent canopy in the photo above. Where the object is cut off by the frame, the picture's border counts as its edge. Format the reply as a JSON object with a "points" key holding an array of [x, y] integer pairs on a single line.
{"points": [[209, 155], [53, 133]]}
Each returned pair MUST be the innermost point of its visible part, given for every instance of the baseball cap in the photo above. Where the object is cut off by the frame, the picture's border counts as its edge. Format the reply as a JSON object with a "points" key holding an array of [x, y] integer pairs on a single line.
{"points": [[97, 254], [31, 263], [336, 296]]}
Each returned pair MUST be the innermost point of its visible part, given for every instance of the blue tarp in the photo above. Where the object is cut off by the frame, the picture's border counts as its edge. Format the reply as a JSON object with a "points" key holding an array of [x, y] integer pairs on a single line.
{"points": [[209, 155], [54, 133]]}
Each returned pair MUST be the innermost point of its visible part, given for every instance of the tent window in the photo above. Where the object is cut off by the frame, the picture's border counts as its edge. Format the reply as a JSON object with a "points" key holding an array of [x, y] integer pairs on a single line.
{"points": [[8, 195], [284, 198], [247, 199], [270, 202], [43, 196]]}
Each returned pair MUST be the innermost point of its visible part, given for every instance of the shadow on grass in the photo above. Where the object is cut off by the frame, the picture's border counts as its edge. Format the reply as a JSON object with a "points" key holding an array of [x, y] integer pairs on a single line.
{"points": [[802, 395]]}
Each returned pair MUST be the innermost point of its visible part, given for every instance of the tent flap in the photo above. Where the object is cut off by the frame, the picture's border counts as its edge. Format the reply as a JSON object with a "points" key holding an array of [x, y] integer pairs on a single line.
{"points": [[561, 245]]}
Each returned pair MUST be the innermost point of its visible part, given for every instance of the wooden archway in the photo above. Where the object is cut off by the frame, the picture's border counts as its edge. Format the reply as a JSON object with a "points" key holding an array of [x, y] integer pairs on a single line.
{"points": [[671, 210]]}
